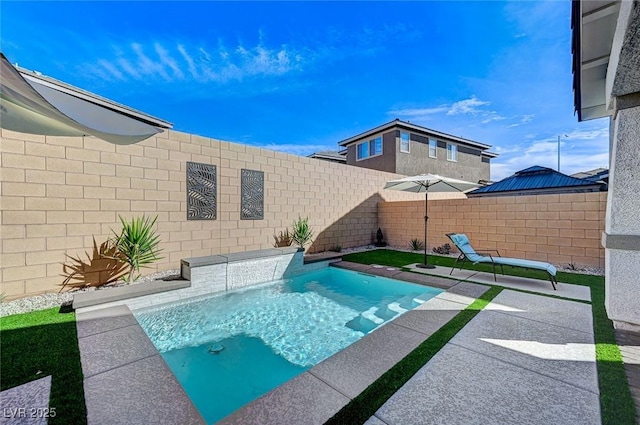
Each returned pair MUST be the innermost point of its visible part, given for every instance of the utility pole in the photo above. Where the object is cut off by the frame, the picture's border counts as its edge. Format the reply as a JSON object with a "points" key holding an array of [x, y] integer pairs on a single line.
{"points": [[564, 135]]}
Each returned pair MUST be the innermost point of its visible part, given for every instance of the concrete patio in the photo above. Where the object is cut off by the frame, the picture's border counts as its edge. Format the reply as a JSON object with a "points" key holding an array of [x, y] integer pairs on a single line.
{"points": [[523, 359]]}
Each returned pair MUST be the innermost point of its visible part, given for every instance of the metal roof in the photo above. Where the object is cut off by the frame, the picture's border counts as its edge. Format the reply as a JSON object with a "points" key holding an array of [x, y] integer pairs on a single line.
{"points": [[533, 178]]}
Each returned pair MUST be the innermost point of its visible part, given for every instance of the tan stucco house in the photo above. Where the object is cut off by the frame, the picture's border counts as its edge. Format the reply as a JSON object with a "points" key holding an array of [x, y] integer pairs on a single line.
{"points": [[409, 149]]}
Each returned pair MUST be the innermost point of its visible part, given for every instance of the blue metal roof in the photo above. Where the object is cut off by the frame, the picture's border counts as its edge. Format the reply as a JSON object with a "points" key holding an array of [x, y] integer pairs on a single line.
{"points": [[535, 177]]}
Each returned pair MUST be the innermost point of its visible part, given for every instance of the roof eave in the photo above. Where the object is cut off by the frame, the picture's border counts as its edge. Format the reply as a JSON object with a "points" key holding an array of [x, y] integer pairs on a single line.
{"points": [[93, 98], [416, 128]]}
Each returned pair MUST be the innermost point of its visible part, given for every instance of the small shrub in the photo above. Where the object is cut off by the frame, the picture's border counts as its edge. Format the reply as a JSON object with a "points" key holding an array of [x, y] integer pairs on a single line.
{"points": [[283, 239], [573, 267], [416, 245], [336, 248], [137, 244], [444, 249], [302, 233]]}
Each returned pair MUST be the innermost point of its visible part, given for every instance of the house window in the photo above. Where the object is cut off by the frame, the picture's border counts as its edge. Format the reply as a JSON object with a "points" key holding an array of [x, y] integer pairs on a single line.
{"points": [[452, 152], [404, 142], [433, 148], [369, 148]]}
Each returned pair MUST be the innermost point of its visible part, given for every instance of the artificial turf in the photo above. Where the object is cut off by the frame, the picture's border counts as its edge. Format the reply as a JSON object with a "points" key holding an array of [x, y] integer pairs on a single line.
{"points": [[42, 343], [616, 404]]}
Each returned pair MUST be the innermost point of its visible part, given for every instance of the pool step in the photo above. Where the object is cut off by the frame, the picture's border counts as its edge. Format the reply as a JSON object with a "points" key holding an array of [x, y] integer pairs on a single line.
{"points": [[386, 313], [362, 324], [365, 321], [371, 315], [423, 298], [408, 302]]}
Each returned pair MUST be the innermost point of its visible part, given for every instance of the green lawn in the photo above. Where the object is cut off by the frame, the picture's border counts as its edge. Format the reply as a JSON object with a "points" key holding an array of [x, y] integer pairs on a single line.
{"points": [[616, 403], [38, 344]]}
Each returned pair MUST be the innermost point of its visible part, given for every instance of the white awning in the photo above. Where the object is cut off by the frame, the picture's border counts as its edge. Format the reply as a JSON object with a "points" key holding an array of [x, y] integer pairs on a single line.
{"points": [[30, 103]]}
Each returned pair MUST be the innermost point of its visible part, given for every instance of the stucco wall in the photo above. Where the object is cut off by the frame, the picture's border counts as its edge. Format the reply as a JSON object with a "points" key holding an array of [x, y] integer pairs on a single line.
{"points": [[58, 193], [385, 162], [469, 166], [560, 229]]}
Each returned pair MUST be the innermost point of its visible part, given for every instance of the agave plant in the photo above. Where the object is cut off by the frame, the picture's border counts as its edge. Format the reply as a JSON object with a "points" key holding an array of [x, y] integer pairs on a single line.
{"points": [[137, 244], [302, 233], [416, 244]]}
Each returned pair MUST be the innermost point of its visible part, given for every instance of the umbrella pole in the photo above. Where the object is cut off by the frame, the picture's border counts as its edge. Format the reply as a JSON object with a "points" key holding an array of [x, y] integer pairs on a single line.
{"points": [[426, 265]]}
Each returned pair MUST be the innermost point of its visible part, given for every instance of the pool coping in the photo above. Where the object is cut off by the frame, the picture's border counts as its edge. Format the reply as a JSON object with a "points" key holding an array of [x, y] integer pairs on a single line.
{"points": [[127, 381]]}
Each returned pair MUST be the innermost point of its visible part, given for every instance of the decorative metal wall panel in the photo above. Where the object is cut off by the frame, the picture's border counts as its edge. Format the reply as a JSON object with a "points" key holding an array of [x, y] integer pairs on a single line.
{"points": [[252, 195], [201, 191]]}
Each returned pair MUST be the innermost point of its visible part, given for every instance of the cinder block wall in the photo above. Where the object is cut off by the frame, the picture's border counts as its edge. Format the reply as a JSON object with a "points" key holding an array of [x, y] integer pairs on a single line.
{"points": [[60, 192], [560, 229]]}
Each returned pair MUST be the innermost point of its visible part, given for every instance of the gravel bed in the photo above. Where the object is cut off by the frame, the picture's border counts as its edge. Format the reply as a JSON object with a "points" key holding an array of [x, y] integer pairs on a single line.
{"points": [[50, 300]]}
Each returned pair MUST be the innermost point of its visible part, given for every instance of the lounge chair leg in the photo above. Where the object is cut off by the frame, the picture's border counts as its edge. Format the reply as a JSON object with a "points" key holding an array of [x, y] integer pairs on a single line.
{"points": [[553, 281], [494, 272]]}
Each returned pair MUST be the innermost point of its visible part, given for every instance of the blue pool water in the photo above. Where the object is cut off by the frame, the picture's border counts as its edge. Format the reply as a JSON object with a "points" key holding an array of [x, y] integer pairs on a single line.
{"points": [[227, 350]]}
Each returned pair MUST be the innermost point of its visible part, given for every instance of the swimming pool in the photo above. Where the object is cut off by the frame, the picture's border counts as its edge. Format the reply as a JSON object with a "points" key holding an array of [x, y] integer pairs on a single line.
{"points": [[227, 350]]}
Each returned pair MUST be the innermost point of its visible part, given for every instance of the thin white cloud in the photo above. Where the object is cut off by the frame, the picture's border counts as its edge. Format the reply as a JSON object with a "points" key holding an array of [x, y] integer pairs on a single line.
{"points": [[111, 70], [589, 134], [493, 116], [170, 63], [127, 67], [419, 112], [147, 66], [468, 107], [524, 119], [190, 62]]}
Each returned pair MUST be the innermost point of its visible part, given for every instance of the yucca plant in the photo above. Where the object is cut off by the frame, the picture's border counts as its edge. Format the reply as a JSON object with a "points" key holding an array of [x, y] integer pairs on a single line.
{"points": [[416, 244], [137, 244], [302, 233]]}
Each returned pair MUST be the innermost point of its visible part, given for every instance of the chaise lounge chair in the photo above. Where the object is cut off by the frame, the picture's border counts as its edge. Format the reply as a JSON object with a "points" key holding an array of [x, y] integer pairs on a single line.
{"points": [[467, 253]]}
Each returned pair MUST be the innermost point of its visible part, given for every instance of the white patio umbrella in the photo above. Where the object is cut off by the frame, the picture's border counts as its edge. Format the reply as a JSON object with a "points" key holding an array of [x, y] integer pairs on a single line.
{"points": [[429, 183]]}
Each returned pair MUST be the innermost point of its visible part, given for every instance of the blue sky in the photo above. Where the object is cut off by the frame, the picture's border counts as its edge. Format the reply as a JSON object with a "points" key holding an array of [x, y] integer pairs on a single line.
{"points": [[301, 76]]}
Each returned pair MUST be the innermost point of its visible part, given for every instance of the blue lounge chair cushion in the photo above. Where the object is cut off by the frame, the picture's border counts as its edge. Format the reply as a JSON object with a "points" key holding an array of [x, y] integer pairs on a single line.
{"points": [[529, 264], [462, 242]]}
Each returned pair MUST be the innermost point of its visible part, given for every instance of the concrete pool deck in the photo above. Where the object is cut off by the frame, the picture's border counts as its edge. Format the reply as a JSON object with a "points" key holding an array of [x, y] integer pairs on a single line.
{"points": [[525, 358]]}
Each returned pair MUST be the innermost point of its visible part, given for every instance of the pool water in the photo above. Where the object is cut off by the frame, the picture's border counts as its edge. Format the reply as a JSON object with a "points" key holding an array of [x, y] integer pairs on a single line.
{"points": [[229, 349]]}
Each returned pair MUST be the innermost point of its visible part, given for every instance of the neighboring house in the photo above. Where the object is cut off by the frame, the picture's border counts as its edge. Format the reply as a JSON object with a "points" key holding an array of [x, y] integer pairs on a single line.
{"points": [[596, 175], [537, 180], [330, 156], [404, 148]]}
